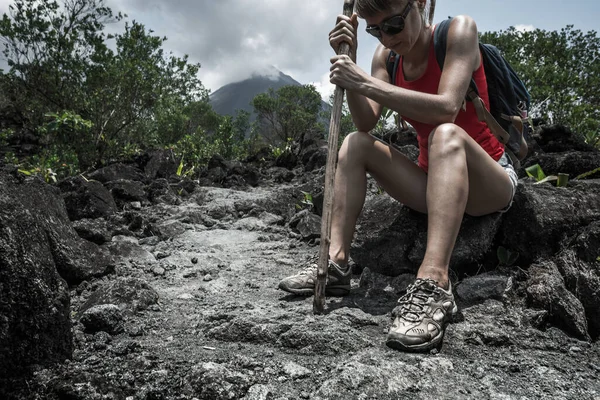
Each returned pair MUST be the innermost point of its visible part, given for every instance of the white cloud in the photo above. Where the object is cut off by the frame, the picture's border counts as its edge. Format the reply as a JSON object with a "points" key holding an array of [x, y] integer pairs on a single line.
{"points": [[524, 28], [232, 39], [324, 87]]}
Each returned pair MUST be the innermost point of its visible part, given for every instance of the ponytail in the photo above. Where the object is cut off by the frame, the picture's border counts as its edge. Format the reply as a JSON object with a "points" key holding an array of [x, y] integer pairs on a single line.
{"points": [[428, 12]]}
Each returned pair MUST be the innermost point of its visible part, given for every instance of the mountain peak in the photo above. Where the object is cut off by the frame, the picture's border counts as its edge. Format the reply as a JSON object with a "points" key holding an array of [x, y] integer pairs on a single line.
{"points": [[238, 95]]}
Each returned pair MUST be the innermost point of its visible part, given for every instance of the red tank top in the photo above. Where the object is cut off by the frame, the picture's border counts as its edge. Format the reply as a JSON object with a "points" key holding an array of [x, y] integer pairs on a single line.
{"points": [[428, 83]]}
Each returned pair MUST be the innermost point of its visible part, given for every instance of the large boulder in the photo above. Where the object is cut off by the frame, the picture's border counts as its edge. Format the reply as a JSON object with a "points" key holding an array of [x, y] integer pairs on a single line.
{"points": [[543, 215], [86, 198], [35, 326], [391, 238]]}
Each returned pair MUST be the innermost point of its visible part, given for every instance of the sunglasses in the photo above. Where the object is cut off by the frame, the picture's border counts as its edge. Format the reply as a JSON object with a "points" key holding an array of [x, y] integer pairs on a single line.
{"points": [[391, 26]]}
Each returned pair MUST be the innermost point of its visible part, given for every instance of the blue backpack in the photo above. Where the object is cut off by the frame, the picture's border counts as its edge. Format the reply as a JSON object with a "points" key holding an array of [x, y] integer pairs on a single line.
{"points": [[509, 99]]}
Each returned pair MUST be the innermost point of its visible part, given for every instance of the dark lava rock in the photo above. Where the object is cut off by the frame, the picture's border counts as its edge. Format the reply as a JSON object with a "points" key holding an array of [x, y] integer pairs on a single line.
{"points": [[86, 199], [115, 172], [391, 238], [129, 294], [482, 287], [105, 317], [93, 230], [35, 326], [161, 164], [123, 190], [543, 215], [546, 290]]}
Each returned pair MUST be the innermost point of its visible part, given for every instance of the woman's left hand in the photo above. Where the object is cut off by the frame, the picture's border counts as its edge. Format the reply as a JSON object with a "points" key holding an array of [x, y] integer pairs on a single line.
{"points": [[345, 73]]}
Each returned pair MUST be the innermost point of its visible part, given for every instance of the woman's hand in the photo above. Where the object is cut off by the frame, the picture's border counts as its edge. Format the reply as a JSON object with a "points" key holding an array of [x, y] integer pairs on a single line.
{"points": [[345, 73], [345, 31]]}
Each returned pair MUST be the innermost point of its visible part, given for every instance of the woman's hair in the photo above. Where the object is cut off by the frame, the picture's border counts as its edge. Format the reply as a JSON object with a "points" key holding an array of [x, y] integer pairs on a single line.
{"points": [[368, 8]]}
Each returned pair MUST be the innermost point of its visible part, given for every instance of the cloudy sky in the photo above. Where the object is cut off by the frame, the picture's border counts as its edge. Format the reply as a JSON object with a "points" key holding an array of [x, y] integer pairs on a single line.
{"points": [[231, 39]]}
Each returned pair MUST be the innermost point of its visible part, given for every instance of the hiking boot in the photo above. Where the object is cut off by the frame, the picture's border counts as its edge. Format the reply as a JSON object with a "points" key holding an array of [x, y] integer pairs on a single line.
{"points": [[420, 319], [303, 283]]}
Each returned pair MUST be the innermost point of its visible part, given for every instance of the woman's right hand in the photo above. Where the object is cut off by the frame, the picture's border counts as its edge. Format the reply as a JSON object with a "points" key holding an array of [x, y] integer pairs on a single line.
{"points": [[345, 31]]}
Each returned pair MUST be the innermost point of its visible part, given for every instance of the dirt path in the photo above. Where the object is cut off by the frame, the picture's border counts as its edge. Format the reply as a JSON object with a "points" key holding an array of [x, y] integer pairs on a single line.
{"points": [[222, 330]]}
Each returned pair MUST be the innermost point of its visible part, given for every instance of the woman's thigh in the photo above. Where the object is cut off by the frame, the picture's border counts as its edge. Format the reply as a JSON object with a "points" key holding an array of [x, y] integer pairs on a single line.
{"points": [[490, 188], [394, 172]]}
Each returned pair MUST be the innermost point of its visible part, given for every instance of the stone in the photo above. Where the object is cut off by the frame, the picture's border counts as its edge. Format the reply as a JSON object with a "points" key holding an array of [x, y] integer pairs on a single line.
{"points": [[546, 290], [105, 317], [35, 325], [481, 287], [86, 199], [117, 171], [129, 294], [296, 371]]}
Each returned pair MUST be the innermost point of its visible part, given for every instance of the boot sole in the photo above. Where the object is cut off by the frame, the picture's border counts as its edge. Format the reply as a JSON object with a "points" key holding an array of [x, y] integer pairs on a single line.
{"points": [[329, 291]]}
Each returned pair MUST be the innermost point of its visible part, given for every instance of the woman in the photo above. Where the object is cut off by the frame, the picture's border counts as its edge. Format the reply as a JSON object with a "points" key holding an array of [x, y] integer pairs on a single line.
{"points": [[462, 167]]}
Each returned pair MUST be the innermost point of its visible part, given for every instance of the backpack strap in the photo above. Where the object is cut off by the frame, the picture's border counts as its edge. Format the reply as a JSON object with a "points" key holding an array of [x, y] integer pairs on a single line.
{"points": [[392, 65], [440, 44], [440, 41]]}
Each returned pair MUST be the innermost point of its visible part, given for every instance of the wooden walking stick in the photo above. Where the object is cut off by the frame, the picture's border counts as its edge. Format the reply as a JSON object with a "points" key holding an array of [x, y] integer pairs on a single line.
{"points": [[332, 153]]}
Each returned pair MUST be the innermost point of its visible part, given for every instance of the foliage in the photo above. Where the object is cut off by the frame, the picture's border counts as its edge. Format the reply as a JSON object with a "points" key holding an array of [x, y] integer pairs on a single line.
{"points": [[135, 96], [561, 69], [228, 140], [506, 257], [535, 171], [289, 113]]}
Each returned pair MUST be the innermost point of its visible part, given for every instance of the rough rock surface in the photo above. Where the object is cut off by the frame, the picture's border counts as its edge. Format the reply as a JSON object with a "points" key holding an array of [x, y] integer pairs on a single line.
{"points": [[35, 324], [202, 318]]}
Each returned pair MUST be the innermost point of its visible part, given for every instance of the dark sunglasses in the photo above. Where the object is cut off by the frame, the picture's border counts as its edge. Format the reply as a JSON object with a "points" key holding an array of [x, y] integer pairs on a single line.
{"points": [[391, 26]]}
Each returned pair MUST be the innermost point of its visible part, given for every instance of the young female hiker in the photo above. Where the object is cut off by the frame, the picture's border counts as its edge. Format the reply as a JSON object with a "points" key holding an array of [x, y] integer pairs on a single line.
{"points": [[461, 168]]}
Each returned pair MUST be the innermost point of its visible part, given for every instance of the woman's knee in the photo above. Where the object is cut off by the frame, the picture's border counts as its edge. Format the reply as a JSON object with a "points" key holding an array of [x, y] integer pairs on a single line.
{"points": [[354, 145], [447, 138]]}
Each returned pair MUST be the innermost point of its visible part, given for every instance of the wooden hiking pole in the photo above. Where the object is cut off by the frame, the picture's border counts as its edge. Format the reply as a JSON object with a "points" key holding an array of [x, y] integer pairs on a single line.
{"points": [[332, 153]]}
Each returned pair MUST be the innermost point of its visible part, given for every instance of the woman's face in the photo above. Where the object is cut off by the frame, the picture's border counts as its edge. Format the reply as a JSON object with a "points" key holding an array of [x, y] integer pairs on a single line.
{"points": [[399, 27]]}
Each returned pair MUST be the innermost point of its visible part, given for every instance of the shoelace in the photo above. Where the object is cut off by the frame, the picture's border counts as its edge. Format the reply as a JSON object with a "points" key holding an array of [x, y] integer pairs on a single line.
{"points": [[412, 303], [309, 270]]}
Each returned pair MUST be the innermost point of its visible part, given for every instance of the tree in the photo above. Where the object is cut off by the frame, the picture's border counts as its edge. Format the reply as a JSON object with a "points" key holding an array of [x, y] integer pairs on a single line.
{"points": [[289, 114], [561, 69], [60, 62]]}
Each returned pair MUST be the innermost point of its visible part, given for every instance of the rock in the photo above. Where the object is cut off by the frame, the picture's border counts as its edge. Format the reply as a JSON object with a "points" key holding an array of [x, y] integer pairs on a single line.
{"points": [[86, 199], [296, 371], [78, 260], [167, 229], [582, 278], [159, 191], [391, 238], [93, 230], [216, 381], [287, 159], [35, 325], [105, 317], [546, 290], [558, 139], [573, 163], [130, 251], [259, 392], [307, 224], [543, 215], [129, 294], [126, 191], [482, 287], [117, 171], [160, 164]]}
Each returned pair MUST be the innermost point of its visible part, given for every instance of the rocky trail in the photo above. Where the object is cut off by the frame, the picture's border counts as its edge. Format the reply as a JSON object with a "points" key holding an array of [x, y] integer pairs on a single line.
{"points": [[136, 284], [207, 321]]}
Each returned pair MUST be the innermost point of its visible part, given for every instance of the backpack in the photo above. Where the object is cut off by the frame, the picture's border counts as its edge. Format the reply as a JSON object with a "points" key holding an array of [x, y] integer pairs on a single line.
{"points": [[509, 99]]}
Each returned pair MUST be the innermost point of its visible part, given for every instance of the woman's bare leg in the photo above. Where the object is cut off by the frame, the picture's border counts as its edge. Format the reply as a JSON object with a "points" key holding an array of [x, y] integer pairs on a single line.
{"points": [[462, 178], [401, 178]]}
